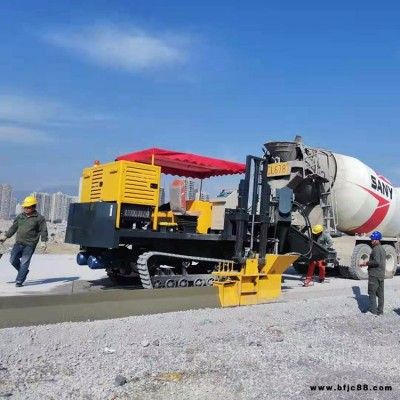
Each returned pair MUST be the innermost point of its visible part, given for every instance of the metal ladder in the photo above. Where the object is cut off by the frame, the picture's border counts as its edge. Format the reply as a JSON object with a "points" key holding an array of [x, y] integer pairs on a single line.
{"points": [[327, 200], [328, 208]]}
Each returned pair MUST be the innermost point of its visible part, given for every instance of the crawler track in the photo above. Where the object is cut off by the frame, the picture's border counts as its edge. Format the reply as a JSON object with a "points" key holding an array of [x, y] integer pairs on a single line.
{"points": [[170, 279]]}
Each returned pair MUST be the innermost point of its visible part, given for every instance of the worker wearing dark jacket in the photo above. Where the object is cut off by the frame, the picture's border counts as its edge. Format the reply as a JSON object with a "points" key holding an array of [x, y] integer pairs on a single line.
{"points": [[324, 239], [376, 273], [29, 227]]}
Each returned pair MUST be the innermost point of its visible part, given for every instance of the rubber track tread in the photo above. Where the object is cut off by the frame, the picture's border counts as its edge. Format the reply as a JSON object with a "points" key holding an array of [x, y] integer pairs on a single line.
{"points": [[143, 268]]}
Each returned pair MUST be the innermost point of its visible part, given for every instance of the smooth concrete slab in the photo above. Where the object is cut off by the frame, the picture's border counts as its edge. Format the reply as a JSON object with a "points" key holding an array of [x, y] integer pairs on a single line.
{"points": [[49, 274], [119, 303]]}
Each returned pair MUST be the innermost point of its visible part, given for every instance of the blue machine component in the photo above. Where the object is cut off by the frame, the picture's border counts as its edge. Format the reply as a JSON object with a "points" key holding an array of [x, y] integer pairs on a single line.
{"points": [[82, 258], [96, 263]]}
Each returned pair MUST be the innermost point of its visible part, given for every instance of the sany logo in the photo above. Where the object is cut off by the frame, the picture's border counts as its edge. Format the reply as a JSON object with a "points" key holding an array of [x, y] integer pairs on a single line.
{"points": [[382, 185]]}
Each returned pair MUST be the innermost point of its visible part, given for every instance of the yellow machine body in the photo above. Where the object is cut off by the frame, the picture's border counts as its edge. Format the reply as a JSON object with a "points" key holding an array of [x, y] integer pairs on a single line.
{"points": [[123, 182], [253, 284], [202, 209]]}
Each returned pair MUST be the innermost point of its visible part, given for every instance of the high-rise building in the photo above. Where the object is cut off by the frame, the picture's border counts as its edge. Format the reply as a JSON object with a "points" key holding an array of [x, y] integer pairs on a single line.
{"points": [[162, 197], [18, 209], [190, 189], [57, 207], [13, 207], [60, 203], [5, 200], [43, 204], [202, 196]]}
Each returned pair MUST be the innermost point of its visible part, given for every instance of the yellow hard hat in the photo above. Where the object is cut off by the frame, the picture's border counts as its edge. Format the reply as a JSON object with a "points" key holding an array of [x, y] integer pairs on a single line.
{"points": [[29, 202], [317, 229]]}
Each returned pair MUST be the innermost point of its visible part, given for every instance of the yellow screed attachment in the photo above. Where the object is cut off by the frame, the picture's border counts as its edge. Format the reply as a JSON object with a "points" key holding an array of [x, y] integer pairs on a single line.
{"points": [[253, 284]]}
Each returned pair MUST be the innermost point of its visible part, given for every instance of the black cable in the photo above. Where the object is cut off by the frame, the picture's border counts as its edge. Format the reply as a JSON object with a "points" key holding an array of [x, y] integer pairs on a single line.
{"points": [[308, 224]]}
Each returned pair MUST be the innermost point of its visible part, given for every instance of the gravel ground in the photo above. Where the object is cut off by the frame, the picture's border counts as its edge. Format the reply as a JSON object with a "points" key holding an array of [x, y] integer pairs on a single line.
{"points": [[271, 351]]}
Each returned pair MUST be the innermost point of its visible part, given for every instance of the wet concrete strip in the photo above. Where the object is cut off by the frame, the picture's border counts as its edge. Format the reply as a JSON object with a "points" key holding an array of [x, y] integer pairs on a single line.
{"points": [[97, 305], [100, 299]]}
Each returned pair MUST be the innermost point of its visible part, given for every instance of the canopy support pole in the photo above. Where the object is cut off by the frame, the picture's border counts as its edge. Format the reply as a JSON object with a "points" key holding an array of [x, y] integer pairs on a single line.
{"points": [[201, 187]]}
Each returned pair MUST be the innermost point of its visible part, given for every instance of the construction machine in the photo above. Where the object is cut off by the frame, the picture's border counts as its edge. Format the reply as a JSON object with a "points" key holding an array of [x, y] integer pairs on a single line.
{"points": [[243, 238]]}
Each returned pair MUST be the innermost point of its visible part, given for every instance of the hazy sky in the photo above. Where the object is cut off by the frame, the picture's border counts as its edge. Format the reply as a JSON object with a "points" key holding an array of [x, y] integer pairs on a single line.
{"points": [[85, 80]]}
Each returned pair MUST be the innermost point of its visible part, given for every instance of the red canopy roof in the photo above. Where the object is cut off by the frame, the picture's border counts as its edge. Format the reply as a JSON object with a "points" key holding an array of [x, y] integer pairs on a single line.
{"points": [[185, 164]]}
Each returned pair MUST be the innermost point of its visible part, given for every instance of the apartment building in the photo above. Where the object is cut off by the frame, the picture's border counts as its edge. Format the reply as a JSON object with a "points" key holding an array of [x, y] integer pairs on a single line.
{"points": [[6, 201], [190, 189], [43, 204]]}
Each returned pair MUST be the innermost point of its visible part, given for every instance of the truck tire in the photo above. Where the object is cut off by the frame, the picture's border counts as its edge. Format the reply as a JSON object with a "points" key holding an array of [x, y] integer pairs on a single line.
{"points": [[391, 261], [361, 252], [300, 268]]}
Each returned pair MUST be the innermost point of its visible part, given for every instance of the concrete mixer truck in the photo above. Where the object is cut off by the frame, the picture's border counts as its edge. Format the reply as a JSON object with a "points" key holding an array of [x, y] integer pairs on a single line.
{"points": [[344, 195]]}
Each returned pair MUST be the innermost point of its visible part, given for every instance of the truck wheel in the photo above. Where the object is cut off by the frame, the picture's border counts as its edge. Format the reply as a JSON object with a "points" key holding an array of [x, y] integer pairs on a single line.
{"points": [[391, 261], [361, 252], [300, 268]]}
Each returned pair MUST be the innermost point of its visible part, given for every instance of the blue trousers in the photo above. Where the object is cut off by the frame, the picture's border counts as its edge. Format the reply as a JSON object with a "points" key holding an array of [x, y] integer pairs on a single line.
{"points": [[20, 259]]}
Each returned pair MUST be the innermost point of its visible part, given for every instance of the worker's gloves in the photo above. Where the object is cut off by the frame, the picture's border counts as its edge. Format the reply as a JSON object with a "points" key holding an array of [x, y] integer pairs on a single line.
{"points": [[3, 238], [43, 246]]}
